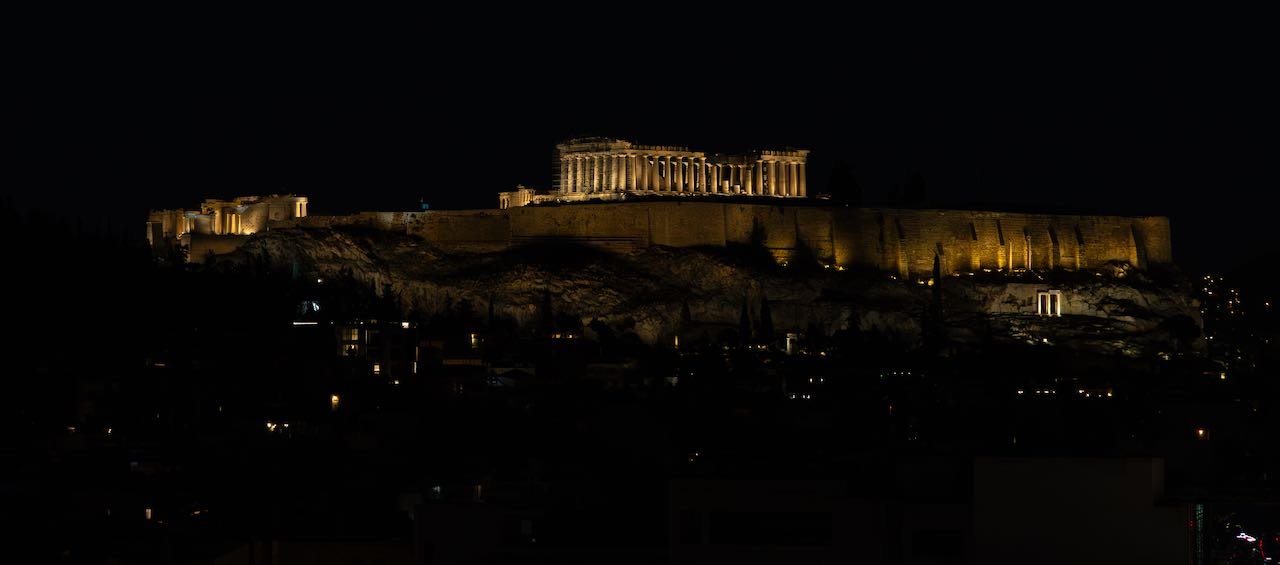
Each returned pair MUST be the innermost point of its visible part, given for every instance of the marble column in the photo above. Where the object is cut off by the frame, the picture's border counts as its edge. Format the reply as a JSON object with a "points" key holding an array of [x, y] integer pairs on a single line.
{"points": [[758, 182], [609, 170], [659, 173], [625, 170], [715, 176], [597, 172], [601, 180], [702, 176], [579, 173], [613, 174], [678, 179], [650, 168], [631, 171], [802, 189], [772, 189], [610, 173], [604, 173], [642, 174], [664, 174], [606, 181], [619, 173]]}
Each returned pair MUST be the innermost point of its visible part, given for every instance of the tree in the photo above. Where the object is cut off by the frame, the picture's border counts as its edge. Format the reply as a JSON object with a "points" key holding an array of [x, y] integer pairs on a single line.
{"points": [[916, 193], [757, 246], [1183, 329], [766, 320], [803, 259], [843, 186], [759, 236], [932, 328], [546, 316]]}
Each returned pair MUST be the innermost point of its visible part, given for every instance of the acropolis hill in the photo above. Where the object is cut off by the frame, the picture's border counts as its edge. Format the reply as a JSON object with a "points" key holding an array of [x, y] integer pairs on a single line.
{"points": [[623, 197]]}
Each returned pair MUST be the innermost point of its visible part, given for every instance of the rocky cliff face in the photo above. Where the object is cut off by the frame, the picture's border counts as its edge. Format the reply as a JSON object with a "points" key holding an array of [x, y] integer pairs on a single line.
{"points": [[644, 292]]}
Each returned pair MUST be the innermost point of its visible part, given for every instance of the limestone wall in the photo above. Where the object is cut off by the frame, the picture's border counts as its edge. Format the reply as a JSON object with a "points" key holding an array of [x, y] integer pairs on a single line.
{"points": [[904, 242], [620, 227], [901, 241], [464, 230]]}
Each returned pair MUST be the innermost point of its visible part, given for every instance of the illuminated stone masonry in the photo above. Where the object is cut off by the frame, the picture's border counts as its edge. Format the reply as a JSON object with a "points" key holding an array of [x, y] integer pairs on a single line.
{"points": [[598, 174], [609, 169], [239, 216]]}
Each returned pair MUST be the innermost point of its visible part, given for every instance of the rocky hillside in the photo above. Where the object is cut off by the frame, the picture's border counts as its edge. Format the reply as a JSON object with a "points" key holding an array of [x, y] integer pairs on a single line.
{"points": [[645, 292]]}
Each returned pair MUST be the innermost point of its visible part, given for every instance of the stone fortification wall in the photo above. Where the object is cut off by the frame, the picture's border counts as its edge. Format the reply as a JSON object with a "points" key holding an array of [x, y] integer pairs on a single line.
{"points": [[895, 240], [464, 230]]}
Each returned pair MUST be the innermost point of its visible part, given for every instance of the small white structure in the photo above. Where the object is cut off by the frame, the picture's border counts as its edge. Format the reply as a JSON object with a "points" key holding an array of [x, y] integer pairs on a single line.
{"points": [[1049, 303]]}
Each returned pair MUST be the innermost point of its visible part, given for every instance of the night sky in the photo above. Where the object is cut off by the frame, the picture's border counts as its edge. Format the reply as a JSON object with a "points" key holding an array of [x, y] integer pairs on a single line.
{"points": [[1137, 117]]}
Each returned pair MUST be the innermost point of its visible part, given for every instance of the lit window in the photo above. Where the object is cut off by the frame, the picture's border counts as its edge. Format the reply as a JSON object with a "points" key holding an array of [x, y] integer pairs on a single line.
{"points": [[147, 511], [351, 334], [333, 401], [377, 368]]}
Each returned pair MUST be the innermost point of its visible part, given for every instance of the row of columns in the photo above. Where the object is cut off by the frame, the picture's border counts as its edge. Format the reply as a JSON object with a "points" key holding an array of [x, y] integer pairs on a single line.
{"points": [[661, 173], [228, 223]]}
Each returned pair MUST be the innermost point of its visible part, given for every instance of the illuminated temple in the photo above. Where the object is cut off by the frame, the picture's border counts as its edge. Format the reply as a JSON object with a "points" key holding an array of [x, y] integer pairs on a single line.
{"points": [[607, 169]]}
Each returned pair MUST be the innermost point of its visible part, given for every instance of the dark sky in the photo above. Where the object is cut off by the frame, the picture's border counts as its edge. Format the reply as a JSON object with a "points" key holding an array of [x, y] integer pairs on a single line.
{"points": [[1133, 117]]}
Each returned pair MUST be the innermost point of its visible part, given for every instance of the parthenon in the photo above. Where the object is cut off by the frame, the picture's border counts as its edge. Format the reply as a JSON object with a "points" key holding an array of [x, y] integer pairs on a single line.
{"points": [[605, 169]]}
